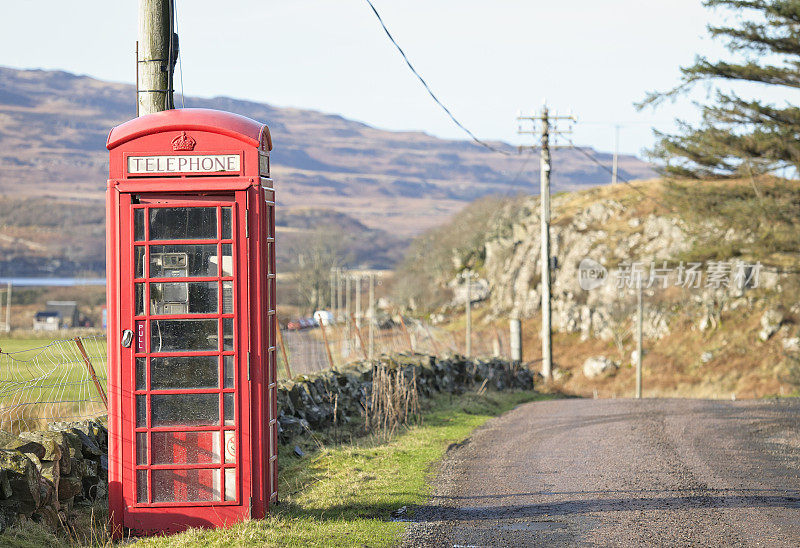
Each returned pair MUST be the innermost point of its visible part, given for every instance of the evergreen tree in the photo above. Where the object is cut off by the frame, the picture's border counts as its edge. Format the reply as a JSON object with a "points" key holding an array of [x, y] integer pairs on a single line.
{"points": [[741, 136]]}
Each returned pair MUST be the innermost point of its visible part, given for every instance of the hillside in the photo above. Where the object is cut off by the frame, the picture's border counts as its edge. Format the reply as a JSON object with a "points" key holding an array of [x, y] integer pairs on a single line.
{"points": [[730, 329], [53, 128]]}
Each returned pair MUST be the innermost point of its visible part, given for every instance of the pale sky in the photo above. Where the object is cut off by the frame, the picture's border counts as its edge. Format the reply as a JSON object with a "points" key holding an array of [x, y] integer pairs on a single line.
{"points": [[485, 59]]}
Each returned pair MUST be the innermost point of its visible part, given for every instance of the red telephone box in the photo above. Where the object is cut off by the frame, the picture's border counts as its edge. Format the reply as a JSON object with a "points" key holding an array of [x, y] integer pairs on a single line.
{"points": [[191, 321]]}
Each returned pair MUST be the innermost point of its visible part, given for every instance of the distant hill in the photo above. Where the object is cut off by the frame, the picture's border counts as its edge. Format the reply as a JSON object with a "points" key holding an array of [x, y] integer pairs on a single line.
{"points": [[53, 128], [381, 187]]}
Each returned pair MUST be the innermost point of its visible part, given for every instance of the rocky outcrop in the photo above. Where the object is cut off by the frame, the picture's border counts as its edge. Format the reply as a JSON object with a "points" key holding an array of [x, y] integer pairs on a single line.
{"points": [[606, 232], [598, 366], [771, 321]]}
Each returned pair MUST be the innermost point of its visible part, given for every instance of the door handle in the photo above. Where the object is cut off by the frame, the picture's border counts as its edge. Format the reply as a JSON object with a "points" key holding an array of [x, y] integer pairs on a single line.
{"points": [[127, 338]]}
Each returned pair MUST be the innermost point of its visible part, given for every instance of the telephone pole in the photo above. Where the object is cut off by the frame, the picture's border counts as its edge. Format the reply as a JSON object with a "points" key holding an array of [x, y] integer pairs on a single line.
{"points": [[468, 304], [639, 315], [543, 121], [157, 50], [372, 318]]}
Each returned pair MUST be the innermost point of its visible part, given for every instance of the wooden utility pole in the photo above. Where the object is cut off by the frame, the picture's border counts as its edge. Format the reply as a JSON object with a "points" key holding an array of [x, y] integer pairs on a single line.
{"points": [[372, 315], [157, 50], [468, 304], [357, 281], [339, 295], [347, 308], [544, 199], [639, 311]]}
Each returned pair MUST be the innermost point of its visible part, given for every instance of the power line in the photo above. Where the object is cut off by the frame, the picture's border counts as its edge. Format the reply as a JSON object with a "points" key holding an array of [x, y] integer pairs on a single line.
{"points": [[526, 159], [621, 179], [428, 89]]}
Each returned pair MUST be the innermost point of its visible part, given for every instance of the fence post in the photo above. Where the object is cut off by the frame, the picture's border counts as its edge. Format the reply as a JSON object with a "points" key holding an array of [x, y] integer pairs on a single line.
{"points": [[283, 353], [405, 331], [433, 341], [496, 344], [360, 337], [515, 331], [327, 346], [90, 367]]}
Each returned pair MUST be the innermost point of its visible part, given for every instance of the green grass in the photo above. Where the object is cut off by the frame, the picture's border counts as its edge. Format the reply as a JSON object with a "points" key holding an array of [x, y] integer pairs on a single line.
{"points": [[344, 494]]}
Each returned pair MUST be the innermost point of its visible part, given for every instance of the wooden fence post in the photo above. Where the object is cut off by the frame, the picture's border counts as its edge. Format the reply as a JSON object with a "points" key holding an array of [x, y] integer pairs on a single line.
{"points": [[283, 353], [405, 331], [90, 367], [360, 337], [327, 346]]}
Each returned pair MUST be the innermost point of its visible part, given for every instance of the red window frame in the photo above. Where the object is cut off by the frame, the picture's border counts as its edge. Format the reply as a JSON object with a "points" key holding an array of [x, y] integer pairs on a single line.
{"points": [[240, 389]]}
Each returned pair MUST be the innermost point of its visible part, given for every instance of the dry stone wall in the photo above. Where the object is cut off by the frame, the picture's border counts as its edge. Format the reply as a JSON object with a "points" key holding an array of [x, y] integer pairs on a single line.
{"points": [[46, 475]]}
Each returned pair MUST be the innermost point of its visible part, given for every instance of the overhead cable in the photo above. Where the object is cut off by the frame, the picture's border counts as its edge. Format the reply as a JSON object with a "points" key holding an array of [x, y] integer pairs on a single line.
{"points": [[428, 89]]}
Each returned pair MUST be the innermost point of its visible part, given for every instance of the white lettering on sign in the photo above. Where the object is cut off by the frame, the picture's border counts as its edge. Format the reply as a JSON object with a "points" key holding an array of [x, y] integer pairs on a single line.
{"points": [[212, 163]]}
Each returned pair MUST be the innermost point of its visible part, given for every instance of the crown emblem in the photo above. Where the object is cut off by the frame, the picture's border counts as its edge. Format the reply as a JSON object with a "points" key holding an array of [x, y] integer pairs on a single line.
{"points": [[183, 142]]}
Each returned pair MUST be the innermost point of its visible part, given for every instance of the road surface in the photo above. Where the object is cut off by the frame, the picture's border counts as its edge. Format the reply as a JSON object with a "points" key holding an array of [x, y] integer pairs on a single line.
{"points": [[622, 473]]}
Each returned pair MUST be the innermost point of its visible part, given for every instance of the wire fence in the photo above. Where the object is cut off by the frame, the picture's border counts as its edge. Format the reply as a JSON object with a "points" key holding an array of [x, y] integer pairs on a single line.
{"points": [[61, 380], [318, 348], [66, 379]]}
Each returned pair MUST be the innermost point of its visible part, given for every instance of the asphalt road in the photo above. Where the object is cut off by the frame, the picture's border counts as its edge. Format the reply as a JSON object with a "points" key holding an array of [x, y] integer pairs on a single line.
{"points": [[622, 473]]}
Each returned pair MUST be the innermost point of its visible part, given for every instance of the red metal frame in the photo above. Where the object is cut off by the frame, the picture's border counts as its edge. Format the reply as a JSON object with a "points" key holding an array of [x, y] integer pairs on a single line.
{"points": [[250, 196]]}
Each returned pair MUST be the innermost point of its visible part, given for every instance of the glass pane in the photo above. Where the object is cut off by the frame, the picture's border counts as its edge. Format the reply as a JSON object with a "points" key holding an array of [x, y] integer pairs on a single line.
{"points": [[227, 334], [141, 411], [141, 486], [138, 225], [230, 446], [230, 411], [139, 299], [141, 374], [227, 362], [183, 335], [196, 485], [227, 297], [230, 484], [138, 260], [226, 222], [175, 372], [186, 448], [176, 223], [179, 261], [141, 447], [184, 298], [227, 260], [185, 409]]}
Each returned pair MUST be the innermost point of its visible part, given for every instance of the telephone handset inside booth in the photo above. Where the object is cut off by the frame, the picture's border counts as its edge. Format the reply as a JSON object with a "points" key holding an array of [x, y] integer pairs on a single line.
{"points": [[171, 298]]}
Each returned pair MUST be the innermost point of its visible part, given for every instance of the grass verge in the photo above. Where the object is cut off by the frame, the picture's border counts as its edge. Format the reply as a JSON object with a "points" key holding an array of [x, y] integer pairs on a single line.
{"points": [[343, 494]]}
